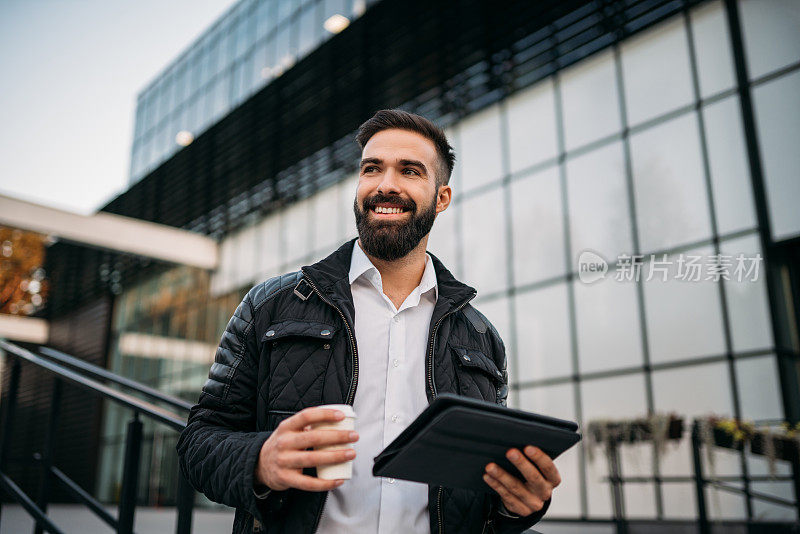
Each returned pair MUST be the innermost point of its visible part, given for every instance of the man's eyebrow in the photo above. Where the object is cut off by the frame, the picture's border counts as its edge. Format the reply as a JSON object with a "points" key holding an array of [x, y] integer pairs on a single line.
{"points": [[376, 161], [414, 163]]}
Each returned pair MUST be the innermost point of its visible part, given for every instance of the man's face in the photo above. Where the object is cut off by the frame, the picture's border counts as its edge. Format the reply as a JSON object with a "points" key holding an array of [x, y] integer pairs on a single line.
{"points": [[397, 199]]}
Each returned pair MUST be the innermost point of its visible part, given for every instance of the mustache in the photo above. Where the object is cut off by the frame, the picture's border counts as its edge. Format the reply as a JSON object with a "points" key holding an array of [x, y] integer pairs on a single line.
{"points": [[379, 198]]}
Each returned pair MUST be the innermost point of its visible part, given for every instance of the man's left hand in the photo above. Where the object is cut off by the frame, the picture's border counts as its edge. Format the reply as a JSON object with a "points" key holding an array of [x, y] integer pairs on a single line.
{"points": [[524, 497]]}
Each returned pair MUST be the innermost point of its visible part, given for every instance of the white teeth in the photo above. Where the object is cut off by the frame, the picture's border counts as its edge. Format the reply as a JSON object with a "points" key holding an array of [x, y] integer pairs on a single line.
{"points": [[381, 209]]}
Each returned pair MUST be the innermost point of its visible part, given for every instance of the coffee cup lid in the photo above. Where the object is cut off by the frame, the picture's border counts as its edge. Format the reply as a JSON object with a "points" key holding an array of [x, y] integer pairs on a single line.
{"points": [[345, 408]]}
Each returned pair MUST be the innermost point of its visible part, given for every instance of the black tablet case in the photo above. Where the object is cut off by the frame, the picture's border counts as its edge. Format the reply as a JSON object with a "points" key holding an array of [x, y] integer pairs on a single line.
{"points": [[451, 442]]}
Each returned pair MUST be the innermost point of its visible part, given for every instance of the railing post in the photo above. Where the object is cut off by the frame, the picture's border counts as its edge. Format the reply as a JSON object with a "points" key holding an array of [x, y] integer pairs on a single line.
{"points": [[47, 456], [130, 475], [615, 475], [185, 505], [9, 407], [699, 481]]}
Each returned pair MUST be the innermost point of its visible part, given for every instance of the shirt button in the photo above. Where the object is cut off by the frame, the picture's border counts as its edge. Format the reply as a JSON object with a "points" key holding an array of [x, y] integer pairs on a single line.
{"points": [[391, 481], [396, 363], [394, 418], [396, 318]]}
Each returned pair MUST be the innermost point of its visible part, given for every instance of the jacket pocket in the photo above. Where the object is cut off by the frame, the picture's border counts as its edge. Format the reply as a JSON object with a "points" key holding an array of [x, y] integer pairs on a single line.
{"points": [[476, 374], [299, 353]]}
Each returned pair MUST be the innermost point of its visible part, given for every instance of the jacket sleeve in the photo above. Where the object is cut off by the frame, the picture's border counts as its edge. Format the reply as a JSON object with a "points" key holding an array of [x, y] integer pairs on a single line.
{"points": [[505, 522], [219, 447]]}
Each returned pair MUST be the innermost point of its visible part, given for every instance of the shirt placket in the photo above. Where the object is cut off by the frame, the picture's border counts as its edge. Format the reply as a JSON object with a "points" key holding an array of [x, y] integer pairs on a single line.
{"points": [[393, 422]]}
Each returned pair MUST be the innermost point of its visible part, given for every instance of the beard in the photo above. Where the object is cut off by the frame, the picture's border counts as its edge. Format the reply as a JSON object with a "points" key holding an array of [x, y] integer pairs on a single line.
{"points": [[392, 240]]}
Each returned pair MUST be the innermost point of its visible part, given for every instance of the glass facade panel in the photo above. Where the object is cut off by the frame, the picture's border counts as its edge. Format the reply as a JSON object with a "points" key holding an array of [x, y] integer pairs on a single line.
{"points": [[758, 402], [684, 317], [727, 160], [670, 191], [771, 39], [485, 264], [777, 110], [542, 326], [296, 226], [537, 225], [590, 100], [655, 67], [599, 218], [481, 153], [607, 321], [712, 48], [746, 296], [531, 126]]}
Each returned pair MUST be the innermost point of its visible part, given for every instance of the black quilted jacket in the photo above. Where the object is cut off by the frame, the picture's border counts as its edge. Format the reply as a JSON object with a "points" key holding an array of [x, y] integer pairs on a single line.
{"points": [[290, 345]]}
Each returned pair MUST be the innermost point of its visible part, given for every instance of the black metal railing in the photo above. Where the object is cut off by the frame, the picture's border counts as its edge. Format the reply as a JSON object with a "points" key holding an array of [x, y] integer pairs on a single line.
{"points": [[68, 369], [727, 483]]}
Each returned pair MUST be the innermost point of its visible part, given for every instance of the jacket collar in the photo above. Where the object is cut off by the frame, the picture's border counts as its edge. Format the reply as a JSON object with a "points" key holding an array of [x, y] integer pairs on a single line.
{"points": [[331, 276]]}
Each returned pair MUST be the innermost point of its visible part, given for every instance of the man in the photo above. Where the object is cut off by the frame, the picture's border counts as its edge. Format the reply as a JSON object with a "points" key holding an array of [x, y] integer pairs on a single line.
{"points": [[379, 324]]}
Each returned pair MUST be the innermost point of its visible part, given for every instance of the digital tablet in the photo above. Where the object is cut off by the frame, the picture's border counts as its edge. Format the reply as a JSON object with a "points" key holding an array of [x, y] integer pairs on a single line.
{"points": [[450, 443]]}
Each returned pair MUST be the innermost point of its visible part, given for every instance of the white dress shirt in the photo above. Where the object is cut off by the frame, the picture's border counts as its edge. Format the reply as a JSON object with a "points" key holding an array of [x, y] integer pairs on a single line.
{"points": [[392, 343]]}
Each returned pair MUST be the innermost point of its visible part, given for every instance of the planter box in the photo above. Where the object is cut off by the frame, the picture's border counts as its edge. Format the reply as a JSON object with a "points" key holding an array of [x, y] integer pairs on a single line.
{"points": [[724, 439], [634, 432], [785, 448]]}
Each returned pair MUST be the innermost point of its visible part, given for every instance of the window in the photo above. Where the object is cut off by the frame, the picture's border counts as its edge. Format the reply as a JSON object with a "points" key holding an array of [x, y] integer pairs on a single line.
{"points": [[480, 148], [484, 242], [655, 67], [759, 402], [597, 192], [542, 326], [777, 111], [771, 39], [712, 48], [727, 158], [670, 190], [684, 318], [537, 225], [590, 100], [748, 305], [607, 321], [532, 134]]}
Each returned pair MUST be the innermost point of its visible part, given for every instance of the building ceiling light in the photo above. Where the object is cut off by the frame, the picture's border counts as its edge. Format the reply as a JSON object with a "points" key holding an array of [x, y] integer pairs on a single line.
{"points": [[184, 138], [336, 23]]}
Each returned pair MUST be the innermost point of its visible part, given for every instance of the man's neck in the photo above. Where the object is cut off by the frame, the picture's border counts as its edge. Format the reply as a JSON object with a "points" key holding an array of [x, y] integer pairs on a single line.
{"points": [[400, 277]]}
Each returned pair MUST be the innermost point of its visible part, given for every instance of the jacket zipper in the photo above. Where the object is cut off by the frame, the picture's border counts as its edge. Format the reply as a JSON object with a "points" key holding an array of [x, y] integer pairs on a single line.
{"points": [[353, 382], [433, 396]]}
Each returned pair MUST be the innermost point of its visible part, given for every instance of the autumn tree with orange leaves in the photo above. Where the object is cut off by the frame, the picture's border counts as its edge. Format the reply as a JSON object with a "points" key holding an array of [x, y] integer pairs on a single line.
{"points": [[23, 286]]}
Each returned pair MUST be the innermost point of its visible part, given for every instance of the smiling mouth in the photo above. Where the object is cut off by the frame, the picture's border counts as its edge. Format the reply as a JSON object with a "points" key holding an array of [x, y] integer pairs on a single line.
{"points": [[387, 210]]}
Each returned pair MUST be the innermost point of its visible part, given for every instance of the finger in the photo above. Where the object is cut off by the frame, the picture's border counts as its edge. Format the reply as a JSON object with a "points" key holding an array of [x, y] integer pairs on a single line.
{"points": [[511, 502], [544, 463], [516, 487], [307, 483], [321, 438], [298, 459], [310, 416], [526, 468]]}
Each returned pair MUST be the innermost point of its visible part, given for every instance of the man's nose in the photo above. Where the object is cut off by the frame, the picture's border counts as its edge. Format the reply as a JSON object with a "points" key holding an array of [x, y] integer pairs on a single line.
{"points": [[390, 183]]}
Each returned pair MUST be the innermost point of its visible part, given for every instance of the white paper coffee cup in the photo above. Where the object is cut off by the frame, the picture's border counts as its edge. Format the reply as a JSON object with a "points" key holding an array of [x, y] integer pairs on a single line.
{"points": [[345, 469]]}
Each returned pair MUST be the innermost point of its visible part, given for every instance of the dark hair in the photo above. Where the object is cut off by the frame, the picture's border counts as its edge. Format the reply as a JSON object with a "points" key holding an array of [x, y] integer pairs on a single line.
{"points": [[387, 119]]}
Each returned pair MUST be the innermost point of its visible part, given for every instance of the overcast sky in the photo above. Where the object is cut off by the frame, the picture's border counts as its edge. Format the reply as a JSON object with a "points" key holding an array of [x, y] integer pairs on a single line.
{"points": [[70, 71]]}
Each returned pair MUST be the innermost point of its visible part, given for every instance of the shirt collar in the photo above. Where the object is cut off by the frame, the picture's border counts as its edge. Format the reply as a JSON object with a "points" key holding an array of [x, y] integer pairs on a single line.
{"points": [[360, 265]]}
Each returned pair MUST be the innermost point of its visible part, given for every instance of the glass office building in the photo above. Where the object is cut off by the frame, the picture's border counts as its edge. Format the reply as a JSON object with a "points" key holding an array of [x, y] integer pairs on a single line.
{"points": [[253, 43], [674, 142]]}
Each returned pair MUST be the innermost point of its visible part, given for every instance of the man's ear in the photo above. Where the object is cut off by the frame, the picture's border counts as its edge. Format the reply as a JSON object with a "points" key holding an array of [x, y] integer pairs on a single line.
{"points": [[443, 197]]}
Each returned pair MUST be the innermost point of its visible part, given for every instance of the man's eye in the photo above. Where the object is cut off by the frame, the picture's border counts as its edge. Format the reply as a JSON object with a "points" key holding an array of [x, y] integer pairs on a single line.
{"points": [[370, 168], [414, 171]]}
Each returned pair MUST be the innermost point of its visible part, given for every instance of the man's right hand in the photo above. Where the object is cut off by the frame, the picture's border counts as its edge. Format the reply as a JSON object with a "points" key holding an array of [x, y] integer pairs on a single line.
{"points": [[283, 456]]}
